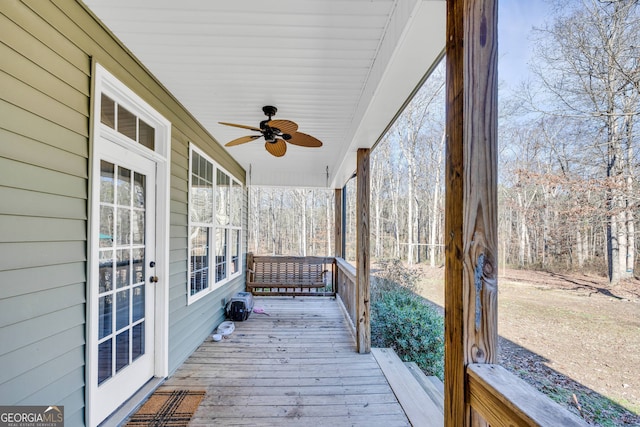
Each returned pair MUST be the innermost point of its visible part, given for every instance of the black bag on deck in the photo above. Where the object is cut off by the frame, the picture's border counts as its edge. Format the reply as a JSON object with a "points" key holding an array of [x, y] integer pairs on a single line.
{"points": [[240, 306]]}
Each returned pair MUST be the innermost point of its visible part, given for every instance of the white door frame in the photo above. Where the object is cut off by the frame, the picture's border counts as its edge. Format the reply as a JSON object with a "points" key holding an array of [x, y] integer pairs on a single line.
{"points": [[105, 82]]}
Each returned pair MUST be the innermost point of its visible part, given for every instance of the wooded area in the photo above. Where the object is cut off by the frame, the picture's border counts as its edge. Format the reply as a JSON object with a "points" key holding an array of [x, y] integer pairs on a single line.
{"points": [[568, 161]]}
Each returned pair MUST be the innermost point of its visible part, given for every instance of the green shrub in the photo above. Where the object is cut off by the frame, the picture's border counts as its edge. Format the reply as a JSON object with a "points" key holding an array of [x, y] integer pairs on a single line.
{"points": [[402, 320]]}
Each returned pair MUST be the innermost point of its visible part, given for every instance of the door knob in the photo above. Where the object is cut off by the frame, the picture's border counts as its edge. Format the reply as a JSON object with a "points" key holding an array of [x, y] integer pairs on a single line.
{"points": [[153, 279]]}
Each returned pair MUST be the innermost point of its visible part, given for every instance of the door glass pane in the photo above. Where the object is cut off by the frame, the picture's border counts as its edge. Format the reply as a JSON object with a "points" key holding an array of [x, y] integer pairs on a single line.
{"points": [[127, 123], [138, 190], [122, 309], [138, 266], [122, 350], [137, 341], [138, 303], [104, 361], [105, 321], [106, 182], [105, 274], [138, 227], [107, 226], [124, 187], [123, 232], [123, 268]]}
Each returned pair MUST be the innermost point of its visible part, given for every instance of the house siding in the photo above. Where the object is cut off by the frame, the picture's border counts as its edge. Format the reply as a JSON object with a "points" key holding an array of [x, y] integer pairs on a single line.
{"points": [[189, 324], [46, 50], [44, 113]]}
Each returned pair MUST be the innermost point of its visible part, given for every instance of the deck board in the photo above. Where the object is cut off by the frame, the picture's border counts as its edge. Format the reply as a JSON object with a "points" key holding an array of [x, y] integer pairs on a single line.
{"points": [[410, 394], [297, 366]]}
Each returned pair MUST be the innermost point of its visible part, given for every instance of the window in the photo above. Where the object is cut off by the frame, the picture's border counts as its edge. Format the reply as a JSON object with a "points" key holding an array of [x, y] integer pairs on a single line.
{"points": [[128, 124], [215, 213]]}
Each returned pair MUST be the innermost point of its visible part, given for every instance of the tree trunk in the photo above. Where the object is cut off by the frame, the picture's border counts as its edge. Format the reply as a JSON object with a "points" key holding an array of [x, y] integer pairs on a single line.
{"points": [[522, 228], [410, 220], [435, 215], [621, 221], [579, 248], [631, 244], [395, 220], [376, 197], [613, 198], [377, 210], [613, 252], [545, 228], [628, 210]]}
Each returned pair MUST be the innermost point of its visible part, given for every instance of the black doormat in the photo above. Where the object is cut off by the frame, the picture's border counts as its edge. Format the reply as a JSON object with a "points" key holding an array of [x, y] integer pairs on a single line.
{"points": [[168, 408]]}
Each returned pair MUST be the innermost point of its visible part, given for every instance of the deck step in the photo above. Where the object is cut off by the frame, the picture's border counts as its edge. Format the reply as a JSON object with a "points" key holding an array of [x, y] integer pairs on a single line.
{"points": [[418, 405], [431, 384]]}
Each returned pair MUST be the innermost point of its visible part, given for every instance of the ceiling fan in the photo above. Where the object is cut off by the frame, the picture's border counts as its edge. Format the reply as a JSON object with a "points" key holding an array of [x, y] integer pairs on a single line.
{"points": [[275, 133]]}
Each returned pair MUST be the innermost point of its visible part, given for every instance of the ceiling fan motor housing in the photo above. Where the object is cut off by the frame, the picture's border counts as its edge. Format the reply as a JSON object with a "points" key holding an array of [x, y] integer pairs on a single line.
{"points": [[269, 110], [269, 134]]}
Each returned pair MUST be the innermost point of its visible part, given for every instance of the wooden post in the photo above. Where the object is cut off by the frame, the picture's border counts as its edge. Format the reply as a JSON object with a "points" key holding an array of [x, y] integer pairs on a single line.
{"points": [[249, 266], [363, 322], [471, 199], [338, 223], [344, 222], [337, 236]]}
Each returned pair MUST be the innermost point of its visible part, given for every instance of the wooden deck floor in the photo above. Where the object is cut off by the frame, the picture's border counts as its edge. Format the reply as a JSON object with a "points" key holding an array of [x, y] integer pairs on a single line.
{"points": [[297, 366]]}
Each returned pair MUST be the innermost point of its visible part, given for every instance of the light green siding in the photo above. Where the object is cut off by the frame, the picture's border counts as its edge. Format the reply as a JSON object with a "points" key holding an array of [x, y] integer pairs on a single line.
{"points": [[43, 187], [46, 49], [189, 324]]}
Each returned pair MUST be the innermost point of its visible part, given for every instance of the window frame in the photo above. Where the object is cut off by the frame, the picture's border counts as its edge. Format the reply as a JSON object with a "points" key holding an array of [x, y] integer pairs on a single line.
{"points": [[213, 226]]}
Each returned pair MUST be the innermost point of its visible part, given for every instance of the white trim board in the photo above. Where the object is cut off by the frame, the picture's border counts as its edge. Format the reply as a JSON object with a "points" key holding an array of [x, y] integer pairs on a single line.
{"points": [[107, 83]]}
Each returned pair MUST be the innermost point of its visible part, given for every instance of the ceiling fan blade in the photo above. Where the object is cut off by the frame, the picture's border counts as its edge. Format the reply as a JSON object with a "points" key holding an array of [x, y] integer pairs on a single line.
{"points": [[304, 140], [240, 126], [277, 148], [242, 140], [285, 126]]}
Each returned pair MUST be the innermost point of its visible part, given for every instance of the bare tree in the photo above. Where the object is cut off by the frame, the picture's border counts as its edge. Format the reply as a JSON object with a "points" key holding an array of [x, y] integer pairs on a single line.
{"points": [[379, 181], [588, 70]]}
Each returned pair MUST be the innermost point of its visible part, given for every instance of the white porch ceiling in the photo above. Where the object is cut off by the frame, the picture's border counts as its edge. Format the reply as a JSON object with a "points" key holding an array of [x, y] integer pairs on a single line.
{"points": [[341, 69]]}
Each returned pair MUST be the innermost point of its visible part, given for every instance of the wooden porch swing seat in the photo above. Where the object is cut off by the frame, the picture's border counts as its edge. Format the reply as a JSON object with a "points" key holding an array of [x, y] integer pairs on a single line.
{"points": [[288, 275]]}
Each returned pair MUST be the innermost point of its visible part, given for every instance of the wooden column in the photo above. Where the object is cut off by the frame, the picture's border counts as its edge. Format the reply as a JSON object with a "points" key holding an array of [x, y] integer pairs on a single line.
{"points": [[363, 322], [344, 221], [471, 201], [338, 234], [338, 249]]}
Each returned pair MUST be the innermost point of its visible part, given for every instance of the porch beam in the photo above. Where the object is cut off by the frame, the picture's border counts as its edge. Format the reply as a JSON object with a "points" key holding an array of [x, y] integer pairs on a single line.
{"points": [[337, 219], [470, 202], [363, 321]]}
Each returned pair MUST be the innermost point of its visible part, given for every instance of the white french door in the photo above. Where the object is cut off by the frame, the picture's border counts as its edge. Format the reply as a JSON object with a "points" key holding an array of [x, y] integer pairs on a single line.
{"points": [[122, 295]]}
